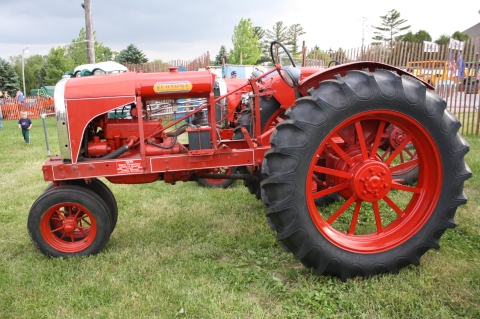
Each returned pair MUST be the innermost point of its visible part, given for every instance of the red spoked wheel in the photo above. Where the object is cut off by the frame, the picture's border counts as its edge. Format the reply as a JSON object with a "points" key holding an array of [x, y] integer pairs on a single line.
{"points": [[333, 142], [69, 221], [218, 183], [393, 138], [378, 212], [102, 190], [68, 227]]}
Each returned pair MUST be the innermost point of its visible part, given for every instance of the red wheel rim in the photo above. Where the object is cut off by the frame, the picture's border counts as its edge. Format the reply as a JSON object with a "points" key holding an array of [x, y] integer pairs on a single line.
{"points": [[214, 181], [273, 121], [68, 227], [378, 213], [393, 138]]}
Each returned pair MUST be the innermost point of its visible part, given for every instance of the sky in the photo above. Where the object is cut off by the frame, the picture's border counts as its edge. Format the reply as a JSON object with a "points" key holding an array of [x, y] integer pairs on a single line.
{"points": [[186, 29]]}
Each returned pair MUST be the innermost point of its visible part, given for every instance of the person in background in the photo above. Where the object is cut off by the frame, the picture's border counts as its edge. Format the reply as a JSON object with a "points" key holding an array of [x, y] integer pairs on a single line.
{"points": [[1, 117], [233, 74], [25, 124], [19, 98], [6, 97]]}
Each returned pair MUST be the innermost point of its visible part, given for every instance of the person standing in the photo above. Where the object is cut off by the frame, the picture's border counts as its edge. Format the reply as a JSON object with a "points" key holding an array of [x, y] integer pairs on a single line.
{"points": [[233, 74], [25, 124], [19, 97], [1, 103]]}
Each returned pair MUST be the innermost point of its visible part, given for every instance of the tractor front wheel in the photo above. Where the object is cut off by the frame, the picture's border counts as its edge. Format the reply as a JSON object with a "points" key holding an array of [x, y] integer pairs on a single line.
{"points": [[102, 190], [69, 221], [330, 143], [218, 183]]}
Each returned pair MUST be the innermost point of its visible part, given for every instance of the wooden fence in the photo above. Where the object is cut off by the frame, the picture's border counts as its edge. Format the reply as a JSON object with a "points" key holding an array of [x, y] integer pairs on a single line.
{"points": [[157, 66], [453, 69]]}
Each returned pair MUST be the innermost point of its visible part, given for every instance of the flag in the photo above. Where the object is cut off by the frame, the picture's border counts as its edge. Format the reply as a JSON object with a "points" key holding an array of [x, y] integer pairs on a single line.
{"points": [[452, 67], [461, 66]]}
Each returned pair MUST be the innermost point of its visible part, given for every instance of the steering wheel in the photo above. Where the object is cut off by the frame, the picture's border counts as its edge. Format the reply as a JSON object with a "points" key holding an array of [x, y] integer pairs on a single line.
{"points": [[333, 61], [290, 84]]}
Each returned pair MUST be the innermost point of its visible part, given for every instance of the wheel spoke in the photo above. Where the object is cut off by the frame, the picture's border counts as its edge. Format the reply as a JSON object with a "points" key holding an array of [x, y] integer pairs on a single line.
{"points": [[85, 220], [361, 140], [393, 206], [329, 171], [59, 214], [378, 220], [57, 229], [342, 209], [388, 151], [406, 165], [330, 190], [378, 137], [398, 150], [340, 152], [356, 212], [410, 153], [406, 188]]}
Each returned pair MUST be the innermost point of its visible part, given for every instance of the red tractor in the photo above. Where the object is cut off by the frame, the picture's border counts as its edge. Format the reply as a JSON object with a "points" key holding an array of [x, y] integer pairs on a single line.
{"points": [[349, 131]]}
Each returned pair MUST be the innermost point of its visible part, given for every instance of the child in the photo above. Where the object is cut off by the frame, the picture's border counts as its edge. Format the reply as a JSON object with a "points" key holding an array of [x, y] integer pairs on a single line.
{"points": [[25, 124]]}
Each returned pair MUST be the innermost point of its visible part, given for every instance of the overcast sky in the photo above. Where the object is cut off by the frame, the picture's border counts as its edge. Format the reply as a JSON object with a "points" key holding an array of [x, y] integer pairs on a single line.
{"points": [[186, 29]]}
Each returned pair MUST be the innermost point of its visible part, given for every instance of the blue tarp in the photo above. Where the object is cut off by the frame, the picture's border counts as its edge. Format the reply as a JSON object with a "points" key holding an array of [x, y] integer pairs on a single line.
{"points": [[227, 70]]}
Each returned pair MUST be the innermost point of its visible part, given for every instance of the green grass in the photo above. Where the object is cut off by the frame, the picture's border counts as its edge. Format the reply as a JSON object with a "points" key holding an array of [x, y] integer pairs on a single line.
{"points": [[188, 252]]}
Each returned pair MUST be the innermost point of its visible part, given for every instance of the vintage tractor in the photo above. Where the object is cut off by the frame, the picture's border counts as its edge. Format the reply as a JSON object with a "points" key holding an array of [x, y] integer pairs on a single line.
{"points": [[347, 133]]}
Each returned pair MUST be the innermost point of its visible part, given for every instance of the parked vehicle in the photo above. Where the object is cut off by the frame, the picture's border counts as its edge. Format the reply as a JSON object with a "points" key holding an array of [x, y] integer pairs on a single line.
{"points": [[344, 132]]}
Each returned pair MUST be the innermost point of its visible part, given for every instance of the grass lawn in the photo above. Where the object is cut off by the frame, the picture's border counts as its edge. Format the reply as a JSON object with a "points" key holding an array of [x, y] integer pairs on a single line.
{"points": [[187, 252]]}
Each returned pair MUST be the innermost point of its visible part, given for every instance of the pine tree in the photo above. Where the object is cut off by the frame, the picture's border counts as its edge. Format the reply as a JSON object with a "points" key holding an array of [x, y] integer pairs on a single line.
{"points": [[222, 54], [391, 25], [294, 33], [131, 55], [8, 78]]}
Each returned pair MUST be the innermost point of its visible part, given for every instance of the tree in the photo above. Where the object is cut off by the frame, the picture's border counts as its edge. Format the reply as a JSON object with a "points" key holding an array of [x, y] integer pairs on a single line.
{"points": [[245, 43], [56, 65], [131, 55], [222, 55], [8, 78], [32, 66], [262, 45], [77, 50], [418, 37], [391, 25], [294, 33], [457, 35], [443, 39]]}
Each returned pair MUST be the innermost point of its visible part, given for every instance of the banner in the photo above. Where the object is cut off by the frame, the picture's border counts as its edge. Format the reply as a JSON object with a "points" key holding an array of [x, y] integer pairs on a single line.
{"points": [[456, 44], [430, 46]]}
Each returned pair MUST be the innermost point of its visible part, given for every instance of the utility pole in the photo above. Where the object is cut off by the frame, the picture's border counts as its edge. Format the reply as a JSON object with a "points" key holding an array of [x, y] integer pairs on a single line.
{"points": [[87, 6]]}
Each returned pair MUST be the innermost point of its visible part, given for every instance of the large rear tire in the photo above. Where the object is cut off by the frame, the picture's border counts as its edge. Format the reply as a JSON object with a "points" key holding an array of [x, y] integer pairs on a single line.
{"points": [[330, 143]]}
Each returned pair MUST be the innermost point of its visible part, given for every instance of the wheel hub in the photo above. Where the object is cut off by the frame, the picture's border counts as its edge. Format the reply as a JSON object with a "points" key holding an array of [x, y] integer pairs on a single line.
{"points": [[372, 181], [396, 137], [69, 225]]}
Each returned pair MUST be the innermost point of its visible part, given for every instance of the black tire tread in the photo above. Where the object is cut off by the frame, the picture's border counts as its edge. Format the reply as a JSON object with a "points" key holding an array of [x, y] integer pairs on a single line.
{"points": [[288, 214]]}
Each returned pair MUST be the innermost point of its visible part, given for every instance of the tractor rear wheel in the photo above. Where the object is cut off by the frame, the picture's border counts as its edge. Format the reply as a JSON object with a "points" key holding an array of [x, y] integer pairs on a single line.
{"points": [[329, 143], [69, 221]]}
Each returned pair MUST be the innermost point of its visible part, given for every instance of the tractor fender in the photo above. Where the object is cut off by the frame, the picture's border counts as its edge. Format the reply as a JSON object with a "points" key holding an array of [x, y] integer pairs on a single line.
{"points": [[313, 81]]}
